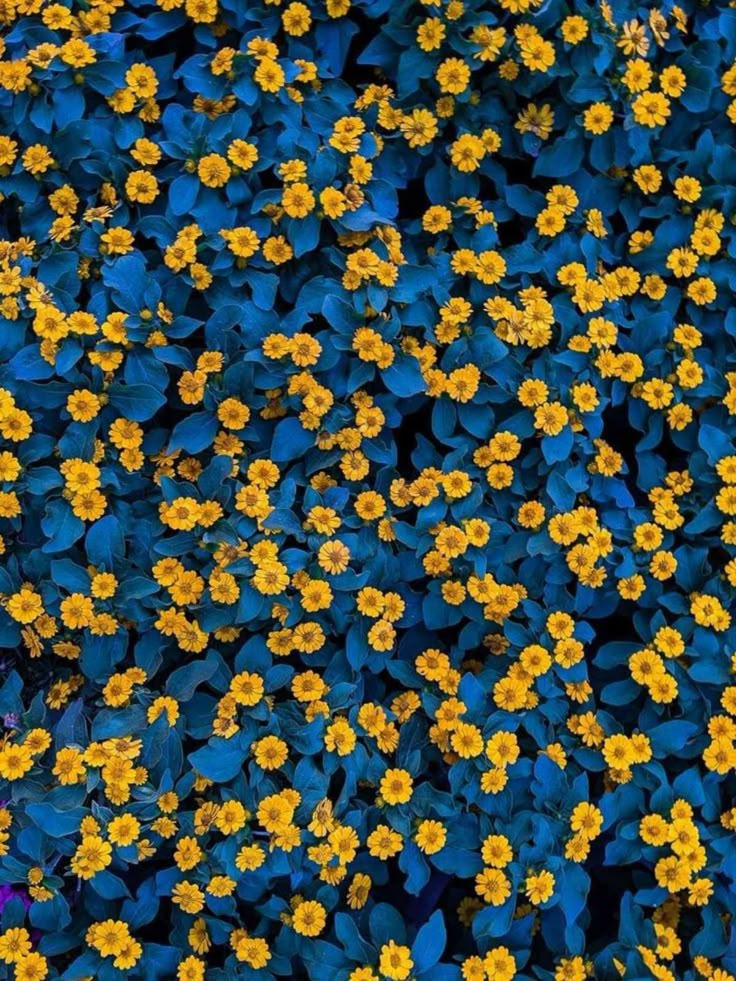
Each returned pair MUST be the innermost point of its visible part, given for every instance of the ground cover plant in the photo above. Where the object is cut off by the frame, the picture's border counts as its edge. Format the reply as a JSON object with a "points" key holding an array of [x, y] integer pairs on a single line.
{"points": [[368, 507]]}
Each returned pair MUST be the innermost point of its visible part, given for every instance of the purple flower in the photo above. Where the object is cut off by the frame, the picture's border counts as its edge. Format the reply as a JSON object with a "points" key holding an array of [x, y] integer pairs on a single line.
{"points": [[10, 892]]}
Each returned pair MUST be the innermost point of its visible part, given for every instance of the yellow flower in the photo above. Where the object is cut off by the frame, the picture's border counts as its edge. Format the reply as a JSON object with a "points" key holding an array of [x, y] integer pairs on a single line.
{"points": [[15, 761], [298, 200], [25, 606], [68, 766], [141, 186], [247, 688], [536, 119], [551, 418], [431, 836], [37, 159], [340, 737], [396, 786], [296, 19], [395, 961], [92, 856], [188, 854], [15, 944], [493, 886], [188, 897], [141, 80], [249, 858], [672, 873], [597, 118], [672, 81], [539, 887], [83, 406], [430, 34], [191, 969], [574, 29], [384, 842], [651, 109], [31, 967], [499, 964], [497, 851], [253, 951], [270, 752], [269, 75], [242, 241], [242, 154], [453, 76], [309, 918], [418, 127], [586, 819]]}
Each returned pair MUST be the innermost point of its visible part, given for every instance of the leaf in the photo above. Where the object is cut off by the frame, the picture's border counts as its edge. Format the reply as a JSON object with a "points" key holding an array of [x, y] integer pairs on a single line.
{"points": [[61, 527], [183, 682], [73, 578], [386, 924], [404, 377], [104, 543], [114, 723], [334, 40], [145, 907], [555, 449], [127, 276], [183, 194], [671, 737], [250, 604], [523, 200], [10, 700], [136, 402], [561, 158], [429, 944], [494, 921], [290, 441], [221, 760], [714, 442], [71, 727], [53, 822], [195, 433], [28, 365], [109, 886], [417, 871], [349, 936]]}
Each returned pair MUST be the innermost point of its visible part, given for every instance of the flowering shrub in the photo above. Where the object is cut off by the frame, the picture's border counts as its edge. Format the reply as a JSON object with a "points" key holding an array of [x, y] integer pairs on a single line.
{"points": [[368, 501]]}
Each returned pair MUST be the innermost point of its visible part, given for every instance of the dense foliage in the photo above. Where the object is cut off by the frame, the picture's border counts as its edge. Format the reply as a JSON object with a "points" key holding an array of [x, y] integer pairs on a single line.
{"points": [[368, 501]]}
